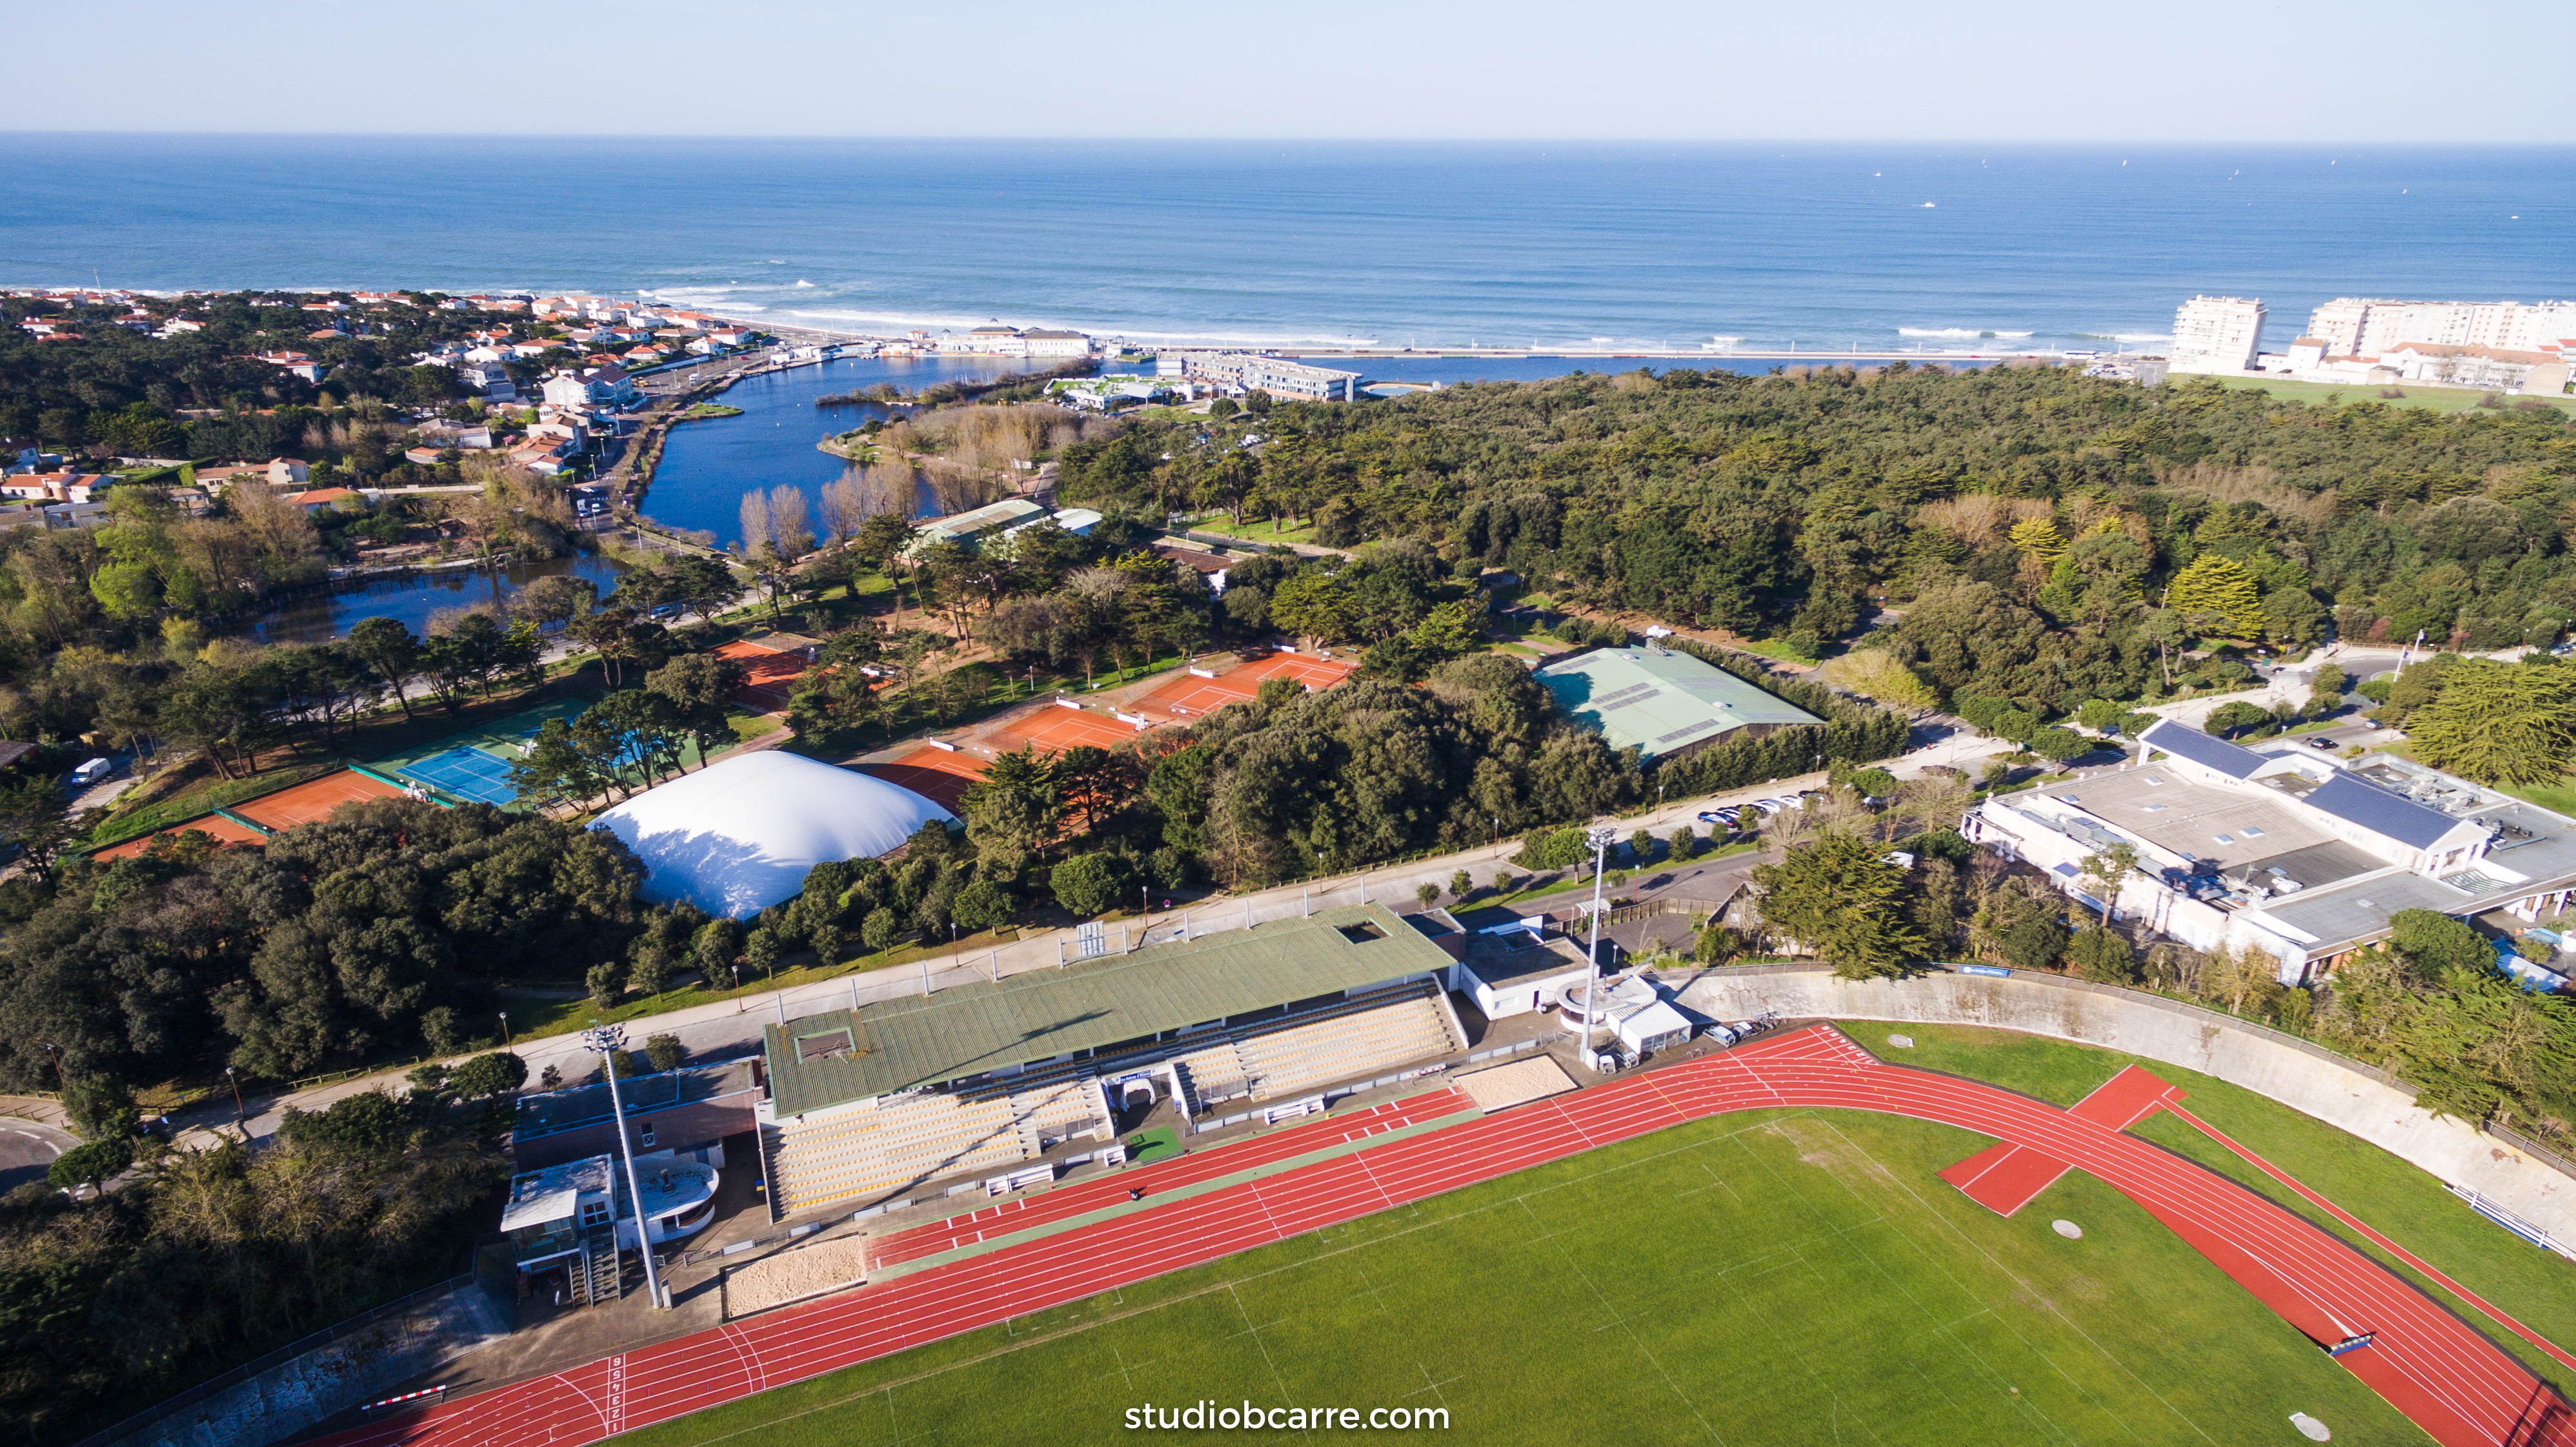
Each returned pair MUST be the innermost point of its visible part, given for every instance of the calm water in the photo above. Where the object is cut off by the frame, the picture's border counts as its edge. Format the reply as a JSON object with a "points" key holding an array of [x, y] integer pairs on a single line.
{"points": [[707, 466], [1321, 243], [414, 601]]}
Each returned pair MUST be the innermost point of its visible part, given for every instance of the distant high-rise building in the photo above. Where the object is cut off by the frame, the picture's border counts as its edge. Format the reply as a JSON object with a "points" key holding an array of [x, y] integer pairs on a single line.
{"points": [[2371, 326], [2217, 334]]}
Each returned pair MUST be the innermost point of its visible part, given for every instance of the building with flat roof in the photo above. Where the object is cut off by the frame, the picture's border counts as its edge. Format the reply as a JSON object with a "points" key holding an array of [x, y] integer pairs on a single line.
{"points": [[1662, 703], [969, 529], [1239, 373], [2283, 850], [689, 1110], [2216, 334]]}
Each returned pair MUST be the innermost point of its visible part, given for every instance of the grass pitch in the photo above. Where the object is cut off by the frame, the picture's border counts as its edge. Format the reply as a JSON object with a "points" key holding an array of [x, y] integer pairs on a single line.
{"points": [[2403, 1203], [1782, 1277]]}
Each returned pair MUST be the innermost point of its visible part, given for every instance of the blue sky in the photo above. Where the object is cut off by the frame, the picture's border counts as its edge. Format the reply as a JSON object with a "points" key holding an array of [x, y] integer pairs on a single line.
{"points": [[2254, 70]]}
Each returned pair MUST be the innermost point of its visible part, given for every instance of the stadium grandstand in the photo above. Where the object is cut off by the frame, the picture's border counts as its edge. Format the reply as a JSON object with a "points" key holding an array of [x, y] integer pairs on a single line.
{"points": [[982, 1080], [740, 834]]}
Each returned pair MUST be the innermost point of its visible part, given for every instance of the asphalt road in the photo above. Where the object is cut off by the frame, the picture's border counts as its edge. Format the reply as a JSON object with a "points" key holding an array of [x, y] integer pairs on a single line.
{"points": [[27, 1151]]}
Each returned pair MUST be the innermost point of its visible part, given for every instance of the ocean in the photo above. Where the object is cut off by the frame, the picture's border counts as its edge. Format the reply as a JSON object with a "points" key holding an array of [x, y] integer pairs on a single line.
{"points": [[1831, 247]]}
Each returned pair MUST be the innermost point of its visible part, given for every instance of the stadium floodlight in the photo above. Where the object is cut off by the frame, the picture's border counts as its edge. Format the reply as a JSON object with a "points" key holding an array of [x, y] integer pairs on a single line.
{"points": [[1599, 837], [607, 1040]]}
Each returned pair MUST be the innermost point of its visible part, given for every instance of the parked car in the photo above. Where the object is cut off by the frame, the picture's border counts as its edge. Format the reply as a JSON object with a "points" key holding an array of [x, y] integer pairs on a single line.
{"points": [[2327, 745], [91, 772]]}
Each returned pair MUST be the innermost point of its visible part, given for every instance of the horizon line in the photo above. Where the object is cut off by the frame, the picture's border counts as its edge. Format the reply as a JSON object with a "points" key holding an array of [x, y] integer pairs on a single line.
{"points": [[2339, 144]]}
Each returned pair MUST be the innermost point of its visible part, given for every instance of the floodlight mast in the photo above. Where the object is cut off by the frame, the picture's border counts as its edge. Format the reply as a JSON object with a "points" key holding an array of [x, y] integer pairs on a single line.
{"points": [[606, 1039], [1599, 837]]}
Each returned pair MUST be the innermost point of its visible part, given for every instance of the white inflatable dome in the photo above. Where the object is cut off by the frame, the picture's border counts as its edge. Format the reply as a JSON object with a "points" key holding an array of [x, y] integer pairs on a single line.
{"points": [[738, 835]]}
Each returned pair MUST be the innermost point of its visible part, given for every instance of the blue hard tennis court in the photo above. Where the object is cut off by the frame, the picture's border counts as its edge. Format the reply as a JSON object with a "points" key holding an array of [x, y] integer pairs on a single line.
{"points": [[466, 772]]}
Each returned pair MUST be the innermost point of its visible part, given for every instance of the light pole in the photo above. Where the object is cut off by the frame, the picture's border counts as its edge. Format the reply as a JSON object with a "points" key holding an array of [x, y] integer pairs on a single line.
{"points": [[241, 1113], [505, 1027], [1599, 837], [55, 1056], [607, 1040]]}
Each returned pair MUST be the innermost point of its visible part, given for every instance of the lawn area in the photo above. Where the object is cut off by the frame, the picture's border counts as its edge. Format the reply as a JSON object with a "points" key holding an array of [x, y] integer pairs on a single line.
{"points": [[2432, 399], [1773, 1277], [1148, 1146], [749, 726], [1256, 529], [2403, 1203], [200, 796]]}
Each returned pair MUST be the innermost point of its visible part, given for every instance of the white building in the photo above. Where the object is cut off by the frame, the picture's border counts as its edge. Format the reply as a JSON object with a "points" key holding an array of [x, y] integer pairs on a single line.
{"points": [[1239, 373], [590, 387], [1041, 342], [2298, 855], [2217, 334], [2374, 326], [992, 341]]}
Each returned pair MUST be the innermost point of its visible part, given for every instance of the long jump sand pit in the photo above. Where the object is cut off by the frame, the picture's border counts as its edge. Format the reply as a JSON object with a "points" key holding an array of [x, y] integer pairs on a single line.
{"points": [[1518, 1083], [794, 1276]]}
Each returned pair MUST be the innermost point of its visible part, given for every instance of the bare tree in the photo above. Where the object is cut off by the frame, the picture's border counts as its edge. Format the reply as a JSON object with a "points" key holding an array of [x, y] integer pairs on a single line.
{"points": [[788, 527], [756, 528]]}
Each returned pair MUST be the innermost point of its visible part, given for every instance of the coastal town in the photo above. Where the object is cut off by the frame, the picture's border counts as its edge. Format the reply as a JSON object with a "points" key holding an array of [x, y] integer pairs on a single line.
{"points": [[1058, 795]]}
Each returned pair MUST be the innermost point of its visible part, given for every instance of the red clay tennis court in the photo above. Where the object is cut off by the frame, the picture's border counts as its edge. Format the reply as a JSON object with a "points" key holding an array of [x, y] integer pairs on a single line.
{"points": [[1190, 695], [215, 826], [1055, 728], [935, 774], [768, 674], [315, 799], [1318, 673]]}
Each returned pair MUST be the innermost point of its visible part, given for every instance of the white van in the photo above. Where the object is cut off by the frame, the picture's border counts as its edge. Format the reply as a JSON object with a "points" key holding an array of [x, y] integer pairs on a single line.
{"points": [[91, 772]]}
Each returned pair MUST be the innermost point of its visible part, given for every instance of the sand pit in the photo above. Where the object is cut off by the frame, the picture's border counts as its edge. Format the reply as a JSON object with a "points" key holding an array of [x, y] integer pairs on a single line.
{"points": [[795, 1275], [1517, 1083]]}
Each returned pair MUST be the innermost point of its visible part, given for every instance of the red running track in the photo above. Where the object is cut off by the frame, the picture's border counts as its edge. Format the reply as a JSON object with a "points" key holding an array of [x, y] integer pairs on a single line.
{"points": [[2459, 1386]]}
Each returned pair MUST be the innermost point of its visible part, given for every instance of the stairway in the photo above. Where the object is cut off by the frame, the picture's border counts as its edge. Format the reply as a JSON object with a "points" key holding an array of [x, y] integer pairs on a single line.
{"points": [[599, 1278]]}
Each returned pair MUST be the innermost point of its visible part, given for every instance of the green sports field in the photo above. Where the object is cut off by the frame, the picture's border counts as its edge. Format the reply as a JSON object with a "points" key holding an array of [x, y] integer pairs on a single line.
{"points": [[1775, 1277]]}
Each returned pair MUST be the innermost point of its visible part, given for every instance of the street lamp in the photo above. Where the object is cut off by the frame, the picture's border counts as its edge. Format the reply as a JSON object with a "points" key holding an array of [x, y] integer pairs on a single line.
{"points": [[607, 1040], [1599, 837], [505, 1027], [241, 1113], [55, 1056]]}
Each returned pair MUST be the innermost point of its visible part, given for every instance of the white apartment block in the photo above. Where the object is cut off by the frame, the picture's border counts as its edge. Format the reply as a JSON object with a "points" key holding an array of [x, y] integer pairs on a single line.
{"points": [[2373, 326], [1242, 372], [2217, 334]]}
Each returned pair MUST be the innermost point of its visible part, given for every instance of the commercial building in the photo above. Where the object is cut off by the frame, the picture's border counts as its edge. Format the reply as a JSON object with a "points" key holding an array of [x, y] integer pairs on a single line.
{"points": [[1662, 703], [2285, 851], [1241, 373], [2217, 334]]}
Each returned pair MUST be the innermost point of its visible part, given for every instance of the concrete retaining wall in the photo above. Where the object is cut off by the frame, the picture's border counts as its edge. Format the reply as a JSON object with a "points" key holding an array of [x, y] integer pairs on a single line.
{"points": [[360, 1367], [2310, 1080]]}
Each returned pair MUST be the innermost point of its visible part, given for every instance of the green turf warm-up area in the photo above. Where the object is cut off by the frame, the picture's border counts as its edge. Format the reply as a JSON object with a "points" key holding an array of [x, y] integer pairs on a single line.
{"points": [[1774, 1278]]}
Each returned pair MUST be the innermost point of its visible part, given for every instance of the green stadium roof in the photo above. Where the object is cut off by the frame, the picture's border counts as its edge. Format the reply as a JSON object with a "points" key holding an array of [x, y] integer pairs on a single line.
{"points": [[1657, 701], [969, 1030]]}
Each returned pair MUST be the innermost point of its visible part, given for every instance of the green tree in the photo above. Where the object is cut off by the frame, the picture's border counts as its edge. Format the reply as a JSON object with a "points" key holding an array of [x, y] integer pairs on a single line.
{"points": [[35, 830], [390, 649], [2500, 723], [606, 983], [92, 1164], [2433, 945], [1088, 884], [1840, 899], [2229, 720], [983, 905], [879, 929], [2102, 956], [1012, 812], [699, 688], [99, 1106], [664, 1052], [2218, 595], [488, 1076], [2107, 869]]}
